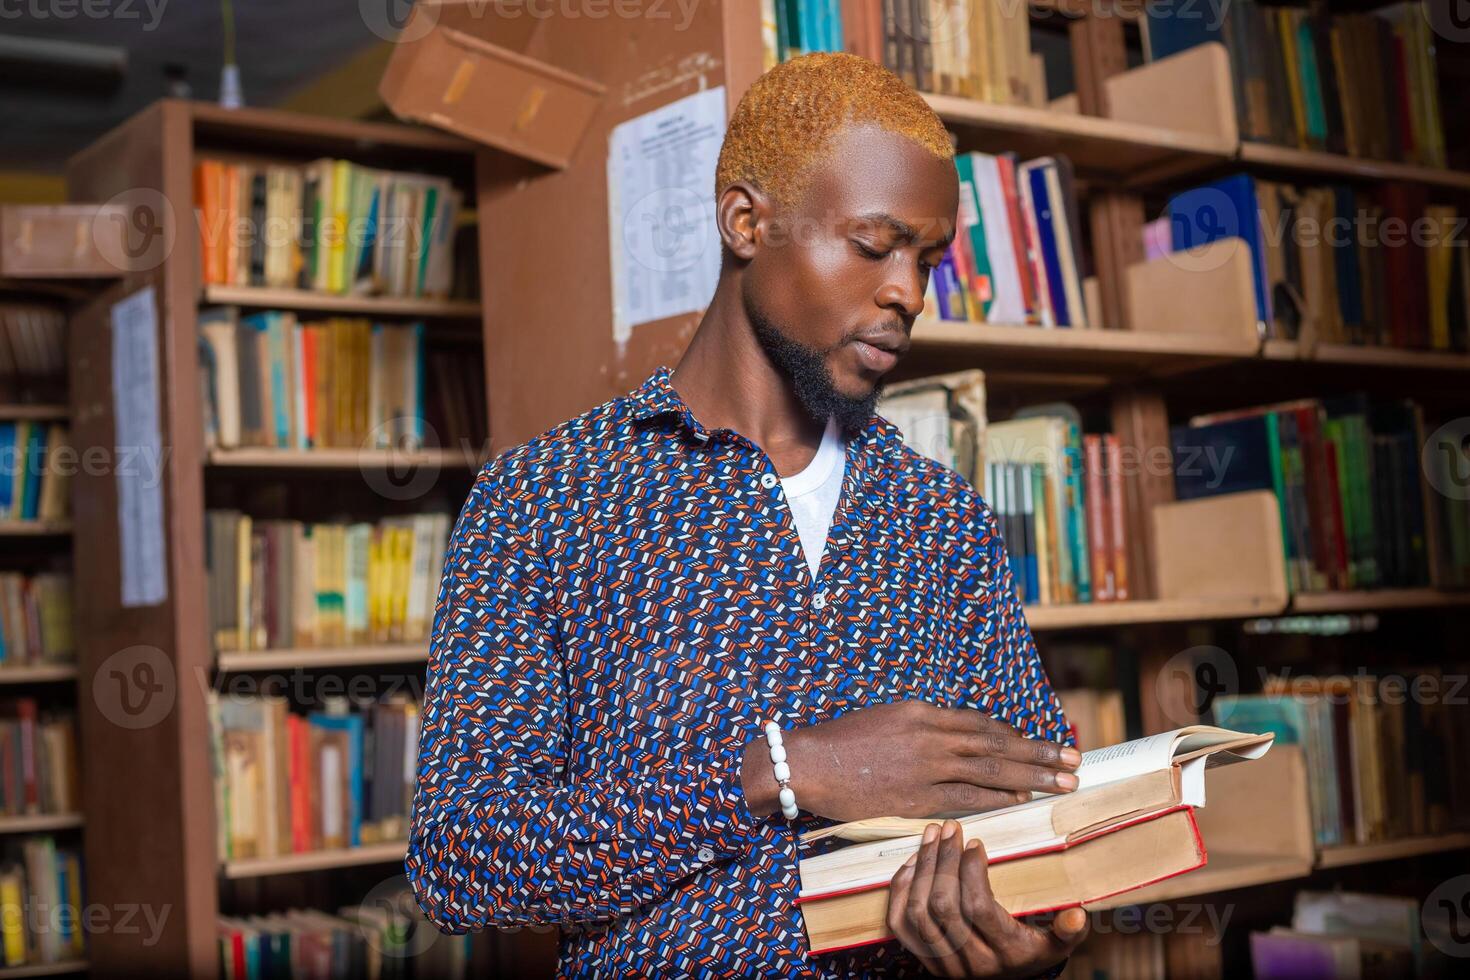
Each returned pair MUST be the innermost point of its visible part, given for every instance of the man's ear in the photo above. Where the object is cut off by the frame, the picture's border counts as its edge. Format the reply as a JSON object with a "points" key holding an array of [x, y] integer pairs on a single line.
{"points": [[743, 214]]}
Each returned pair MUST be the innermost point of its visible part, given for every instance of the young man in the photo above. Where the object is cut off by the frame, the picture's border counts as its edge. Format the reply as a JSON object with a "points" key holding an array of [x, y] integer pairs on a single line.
{"points": [[630, 598]]}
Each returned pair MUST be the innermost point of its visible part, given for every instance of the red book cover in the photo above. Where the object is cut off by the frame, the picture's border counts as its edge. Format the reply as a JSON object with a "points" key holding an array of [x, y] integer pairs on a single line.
{"points": [[300, 780], [1319, 506], [1096, 509], [1340, 577], [1117, 525], [308, 383], [9, 749], [1194, 831], [25, 709], [1006, 163]]}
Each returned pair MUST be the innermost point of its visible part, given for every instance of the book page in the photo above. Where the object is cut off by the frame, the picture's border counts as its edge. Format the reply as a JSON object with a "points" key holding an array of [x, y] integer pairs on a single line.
{"points": [[1115, 762]]}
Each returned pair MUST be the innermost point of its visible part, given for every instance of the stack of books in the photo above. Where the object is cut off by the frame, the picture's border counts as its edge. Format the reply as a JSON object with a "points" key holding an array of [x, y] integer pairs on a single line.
{"points": [[289, 783], [977, 49], [285, 583], [1351, 934], [35, 471], [1362, 84], [331, 225], [1334, 264], [32, 352], [385, 937], [1017, 255], [38, 760], [35, 619], [41, 902], [1384, 754], [1129, 823], [275, 382], [1357, 508]]}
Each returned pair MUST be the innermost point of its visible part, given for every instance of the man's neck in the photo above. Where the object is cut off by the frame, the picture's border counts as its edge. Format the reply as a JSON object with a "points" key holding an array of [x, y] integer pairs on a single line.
{"points": [[728, 382]]}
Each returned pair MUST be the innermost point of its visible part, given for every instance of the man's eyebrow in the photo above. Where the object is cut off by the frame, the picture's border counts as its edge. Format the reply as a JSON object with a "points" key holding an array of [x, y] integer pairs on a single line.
{"points": [[902, 228]]}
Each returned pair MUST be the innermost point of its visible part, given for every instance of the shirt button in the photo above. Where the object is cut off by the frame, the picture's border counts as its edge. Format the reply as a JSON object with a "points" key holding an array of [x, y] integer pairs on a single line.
{"points": [[768, 480], [820, 600], [706, 855]]}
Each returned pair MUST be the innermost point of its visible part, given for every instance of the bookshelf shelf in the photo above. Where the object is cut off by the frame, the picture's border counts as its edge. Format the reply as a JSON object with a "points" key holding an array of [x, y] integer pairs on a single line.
{"points": [[1123, 150], [316, 133], [44, 969], [1365, 355], [1313, 161], [238, 661], [315, 860], [33, 413], [37, 674], [305, 299], [340, 459], [1121, 352], [1134, 612], [1350, 854], [1368, 600], [33, 529], [38, 822]]}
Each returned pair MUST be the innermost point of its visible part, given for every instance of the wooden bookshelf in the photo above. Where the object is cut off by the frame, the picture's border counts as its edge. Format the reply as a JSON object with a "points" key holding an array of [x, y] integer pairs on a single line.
{"points": [[239, 661], [39, 823], [1123, 151], [45, 969], [1225, 871], [1355, 168], [340, 459], [1372, 600], [1131, 612], [37, 674], [370, 306], [1367, 356], [33, 529], [33, 413], [345, 857], [1346, 855]]}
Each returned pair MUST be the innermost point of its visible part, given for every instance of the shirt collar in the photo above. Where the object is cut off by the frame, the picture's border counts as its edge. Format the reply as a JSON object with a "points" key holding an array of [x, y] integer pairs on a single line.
{"points": [[656, 397]]}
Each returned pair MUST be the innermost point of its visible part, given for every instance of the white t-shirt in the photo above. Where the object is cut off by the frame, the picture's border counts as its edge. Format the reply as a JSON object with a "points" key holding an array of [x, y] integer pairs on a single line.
{"points": [[812, 495]]}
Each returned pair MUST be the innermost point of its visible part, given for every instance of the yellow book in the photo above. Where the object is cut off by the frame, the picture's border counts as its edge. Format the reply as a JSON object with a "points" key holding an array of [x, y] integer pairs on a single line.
{"points": [[1287, 25], [342, 175], [12, 918], [1440, 261], [242, 583], [377, 593]]}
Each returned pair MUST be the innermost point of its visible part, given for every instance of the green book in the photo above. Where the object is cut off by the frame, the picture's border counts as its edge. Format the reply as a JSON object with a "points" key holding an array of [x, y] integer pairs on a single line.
{"points": [[979, 289]]}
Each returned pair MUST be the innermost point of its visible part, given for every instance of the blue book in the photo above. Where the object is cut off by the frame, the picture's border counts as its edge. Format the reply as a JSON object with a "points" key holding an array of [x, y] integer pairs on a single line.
{"points": [[835, 39], [1345, 260], [352, 726], [1171, 29], [35, 463], [280, 394], [1028, 516], [1046, 231], [811, 25], [1224, 209], [1226, 457], [7, 468]]}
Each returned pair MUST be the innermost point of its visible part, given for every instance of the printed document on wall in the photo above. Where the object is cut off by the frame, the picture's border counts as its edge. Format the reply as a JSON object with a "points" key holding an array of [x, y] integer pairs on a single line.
{"points": [[139, 459], [661, 212]]}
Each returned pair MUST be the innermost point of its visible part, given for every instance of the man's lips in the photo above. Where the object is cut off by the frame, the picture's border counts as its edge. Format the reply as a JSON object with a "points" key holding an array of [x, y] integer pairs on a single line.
{"points": [[880, 353]]}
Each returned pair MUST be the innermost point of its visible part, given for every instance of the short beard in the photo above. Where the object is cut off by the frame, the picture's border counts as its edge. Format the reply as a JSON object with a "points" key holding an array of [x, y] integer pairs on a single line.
{"points": [[813, 383]]}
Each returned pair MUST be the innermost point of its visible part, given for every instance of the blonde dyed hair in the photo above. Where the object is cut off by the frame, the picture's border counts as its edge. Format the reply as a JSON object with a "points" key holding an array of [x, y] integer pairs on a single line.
{"points": [[785, 123]]}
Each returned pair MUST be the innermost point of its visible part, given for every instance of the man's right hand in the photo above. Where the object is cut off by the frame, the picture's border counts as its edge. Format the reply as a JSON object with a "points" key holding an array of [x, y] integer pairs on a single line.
{"points": [[908, 759]]}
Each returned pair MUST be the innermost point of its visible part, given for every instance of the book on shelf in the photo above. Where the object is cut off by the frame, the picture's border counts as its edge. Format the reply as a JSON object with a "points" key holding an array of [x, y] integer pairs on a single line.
{"points": [[332, 226], [41, 893], [978, 49], [386, 937], [942, 417], [1017, 254], [1356, 934], [35, 471], [278, 583], [1129, 823], [1096, 716], [1363, 84], [38, 759], [32, 351], [35, 619], [273, 381], [292, 783], [1358, 511], [1384, 760]]}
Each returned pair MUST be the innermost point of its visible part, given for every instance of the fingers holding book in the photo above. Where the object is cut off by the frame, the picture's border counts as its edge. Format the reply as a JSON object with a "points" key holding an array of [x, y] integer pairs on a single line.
{"points": [[941, 908]]}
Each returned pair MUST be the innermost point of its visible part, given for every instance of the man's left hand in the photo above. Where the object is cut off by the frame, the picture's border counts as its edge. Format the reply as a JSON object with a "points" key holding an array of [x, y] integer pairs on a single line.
{"points": [[941, 909]]}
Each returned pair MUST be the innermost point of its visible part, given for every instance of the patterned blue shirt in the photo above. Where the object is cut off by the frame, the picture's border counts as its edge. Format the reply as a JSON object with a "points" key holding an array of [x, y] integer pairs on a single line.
{"points": [[624, 603]]}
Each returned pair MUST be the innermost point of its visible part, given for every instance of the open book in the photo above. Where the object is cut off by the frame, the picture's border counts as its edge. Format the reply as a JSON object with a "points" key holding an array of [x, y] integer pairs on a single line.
{"points": [[1192, 749]]}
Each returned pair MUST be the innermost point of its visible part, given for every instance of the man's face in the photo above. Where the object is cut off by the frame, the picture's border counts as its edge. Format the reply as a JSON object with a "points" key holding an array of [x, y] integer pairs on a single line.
{"points": [[839, 278]]}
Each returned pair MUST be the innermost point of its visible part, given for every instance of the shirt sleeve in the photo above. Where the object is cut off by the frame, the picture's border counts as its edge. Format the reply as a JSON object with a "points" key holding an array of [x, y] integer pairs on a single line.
{"points": [[997, 667], [501, 834]]}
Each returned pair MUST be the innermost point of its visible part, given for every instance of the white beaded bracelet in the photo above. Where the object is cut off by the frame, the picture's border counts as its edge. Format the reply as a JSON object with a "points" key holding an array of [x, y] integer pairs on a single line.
{"points": [[782, 770]]}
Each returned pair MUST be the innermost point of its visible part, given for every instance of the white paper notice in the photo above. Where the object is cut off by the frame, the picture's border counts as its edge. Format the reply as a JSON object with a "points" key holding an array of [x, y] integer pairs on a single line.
{"points": [[139, 459], [661, 210]]}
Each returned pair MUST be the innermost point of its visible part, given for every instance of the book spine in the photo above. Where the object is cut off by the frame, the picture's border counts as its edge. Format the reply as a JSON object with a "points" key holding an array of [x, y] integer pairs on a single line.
{"points": [[1096, 509], [1118, 545]]}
